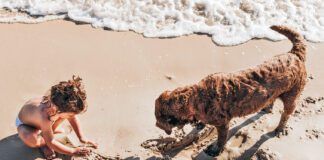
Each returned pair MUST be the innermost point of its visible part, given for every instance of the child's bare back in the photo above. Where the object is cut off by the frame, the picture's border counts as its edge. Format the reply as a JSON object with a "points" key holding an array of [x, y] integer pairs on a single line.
{"points": [[39, 118], [33, 113]]}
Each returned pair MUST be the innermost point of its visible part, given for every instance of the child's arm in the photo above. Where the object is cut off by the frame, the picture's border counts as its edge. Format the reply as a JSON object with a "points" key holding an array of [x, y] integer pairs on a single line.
{"points": [[48, 136], [75, 123]]}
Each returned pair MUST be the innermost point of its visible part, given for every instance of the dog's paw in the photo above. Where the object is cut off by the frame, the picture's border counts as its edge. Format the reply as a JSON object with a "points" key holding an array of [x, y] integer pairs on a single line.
{"points": [[213, 151], [282, 131]]}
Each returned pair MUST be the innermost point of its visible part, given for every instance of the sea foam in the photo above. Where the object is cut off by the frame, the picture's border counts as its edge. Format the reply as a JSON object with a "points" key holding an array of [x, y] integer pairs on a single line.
{"points": [[228, 22]]}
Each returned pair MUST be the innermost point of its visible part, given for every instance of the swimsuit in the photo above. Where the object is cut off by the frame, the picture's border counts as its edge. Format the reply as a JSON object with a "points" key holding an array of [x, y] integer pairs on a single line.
{"points": [[18, 122]]}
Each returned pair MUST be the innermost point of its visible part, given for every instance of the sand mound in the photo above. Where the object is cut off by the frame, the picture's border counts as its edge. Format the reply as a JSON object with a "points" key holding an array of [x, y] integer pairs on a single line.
{"points": [[309, 106]]}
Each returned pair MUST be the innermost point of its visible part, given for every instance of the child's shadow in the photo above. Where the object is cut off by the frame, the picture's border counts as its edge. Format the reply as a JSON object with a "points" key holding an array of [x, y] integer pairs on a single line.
{"points": [[12, 148]]}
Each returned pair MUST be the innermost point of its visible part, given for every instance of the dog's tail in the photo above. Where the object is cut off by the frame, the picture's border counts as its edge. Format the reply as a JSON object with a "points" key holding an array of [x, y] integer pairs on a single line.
{"points": [[299, 48]]}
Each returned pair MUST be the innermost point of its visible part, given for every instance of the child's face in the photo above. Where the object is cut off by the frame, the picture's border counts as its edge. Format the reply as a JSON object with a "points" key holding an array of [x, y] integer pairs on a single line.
{"points": [[64, 115]]}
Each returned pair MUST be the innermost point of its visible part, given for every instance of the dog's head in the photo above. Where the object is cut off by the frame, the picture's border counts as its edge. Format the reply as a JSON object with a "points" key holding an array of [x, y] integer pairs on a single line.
{"points": [[174, 109]]}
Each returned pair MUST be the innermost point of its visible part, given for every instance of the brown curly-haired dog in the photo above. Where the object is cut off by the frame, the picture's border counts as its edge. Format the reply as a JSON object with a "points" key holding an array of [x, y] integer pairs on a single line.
{"points": [[219, 97]]}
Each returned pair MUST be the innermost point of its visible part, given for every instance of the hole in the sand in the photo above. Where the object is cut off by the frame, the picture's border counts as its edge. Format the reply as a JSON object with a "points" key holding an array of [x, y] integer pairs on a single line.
{"points": [[169, 77]]}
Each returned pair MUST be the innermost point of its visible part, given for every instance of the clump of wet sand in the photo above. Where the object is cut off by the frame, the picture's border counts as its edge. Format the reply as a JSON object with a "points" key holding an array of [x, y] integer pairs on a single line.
{"points": [[314, 134], [265, 154], [309, 106]]}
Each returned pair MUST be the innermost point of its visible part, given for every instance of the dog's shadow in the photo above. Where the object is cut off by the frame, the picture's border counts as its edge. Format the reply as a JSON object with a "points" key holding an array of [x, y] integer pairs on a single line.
{"points": [[247, 154]]}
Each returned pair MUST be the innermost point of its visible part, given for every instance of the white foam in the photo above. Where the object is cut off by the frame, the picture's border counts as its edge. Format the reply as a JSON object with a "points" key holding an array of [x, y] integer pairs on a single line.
{"points": [[229, 22]]}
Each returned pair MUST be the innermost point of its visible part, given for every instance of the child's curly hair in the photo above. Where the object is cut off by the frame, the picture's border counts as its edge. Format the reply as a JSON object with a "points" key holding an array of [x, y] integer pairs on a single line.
{"points": [[68, 96]]}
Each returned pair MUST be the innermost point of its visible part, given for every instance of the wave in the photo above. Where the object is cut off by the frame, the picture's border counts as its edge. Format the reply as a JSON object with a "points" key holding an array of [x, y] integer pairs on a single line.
{"points": [[228, 22]]}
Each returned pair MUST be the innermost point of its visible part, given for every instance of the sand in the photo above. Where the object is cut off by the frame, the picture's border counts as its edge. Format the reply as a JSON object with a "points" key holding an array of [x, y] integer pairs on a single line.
{"points": [[124, 73]]}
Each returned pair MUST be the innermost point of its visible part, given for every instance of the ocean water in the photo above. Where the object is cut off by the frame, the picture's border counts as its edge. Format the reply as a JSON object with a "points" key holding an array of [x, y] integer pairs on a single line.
{"points": [[228, 22]]}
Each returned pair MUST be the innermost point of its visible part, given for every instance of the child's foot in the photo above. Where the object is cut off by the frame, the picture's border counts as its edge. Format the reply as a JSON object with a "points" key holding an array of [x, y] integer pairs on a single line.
{"points": [[47, 152]]}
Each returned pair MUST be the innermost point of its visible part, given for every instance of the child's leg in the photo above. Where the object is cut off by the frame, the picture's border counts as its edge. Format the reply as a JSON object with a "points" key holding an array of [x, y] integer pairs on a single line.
{"points": [[32, 138]]}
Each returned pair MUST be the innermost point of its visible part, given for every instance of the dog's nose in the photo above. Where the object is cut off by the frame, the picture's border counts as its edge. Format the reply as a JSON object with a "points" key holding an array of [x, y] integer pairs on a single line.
{"points": [[168, 132]]}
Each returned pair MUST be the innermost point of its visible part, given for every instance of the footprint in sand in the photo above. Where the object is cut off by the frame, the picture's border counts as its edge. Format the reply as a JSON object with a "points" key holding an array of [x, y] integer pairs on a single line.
{"points": [[314, 134]]}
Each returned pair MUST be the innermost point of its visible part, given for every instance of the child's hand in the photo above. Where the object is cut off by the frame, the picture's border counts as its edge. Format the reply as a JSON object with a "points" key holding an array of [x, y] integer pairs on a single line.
{"points": [[90, 143], [81, 151]]}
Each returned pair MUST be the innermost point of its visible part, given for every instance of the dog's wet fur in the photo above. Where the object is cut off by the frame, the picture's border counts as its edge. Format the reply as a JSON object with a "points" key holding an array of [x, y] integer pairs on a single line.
{"points": [[219, 97]]}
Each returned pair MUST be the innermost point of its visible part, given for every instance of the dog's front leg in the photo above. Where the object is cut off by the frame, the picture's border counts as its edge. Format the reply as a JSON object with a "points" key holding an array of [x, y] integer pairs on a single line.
{"points": [[215, 149]]}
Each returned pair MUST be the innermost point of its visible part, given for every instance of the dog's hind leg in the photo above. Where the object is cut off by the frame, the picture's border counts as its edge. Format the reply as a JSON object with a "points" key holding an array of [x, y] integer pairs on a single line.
{"points": [[289, 101], [215, 149]]}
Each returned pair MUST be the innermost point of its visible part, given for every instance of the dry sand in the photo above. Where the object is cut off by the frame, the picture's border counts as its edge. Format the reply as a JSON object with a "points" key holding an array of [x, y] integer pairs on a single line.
{"points": [[124, 73]]}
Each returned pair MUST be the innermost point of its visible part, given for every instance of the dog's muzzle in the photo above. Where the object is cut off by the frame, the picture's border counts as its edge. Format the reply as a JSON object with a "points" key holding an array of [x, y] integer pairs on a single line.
{"points": [[167, 130]]}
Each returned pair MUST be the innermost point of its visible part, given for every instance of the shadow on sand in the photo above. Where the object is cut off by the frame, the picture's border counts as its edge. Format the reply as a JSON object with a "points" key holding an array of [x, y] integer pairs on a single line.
{"points": [[232, 132], [247, 154], [12, 148]]}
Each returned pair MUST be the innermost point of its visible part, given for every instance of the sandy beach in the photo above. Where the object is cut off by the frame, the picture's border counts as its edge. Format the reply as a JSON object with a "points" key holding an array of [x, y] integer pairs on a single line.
{"points": [[124, 73]]}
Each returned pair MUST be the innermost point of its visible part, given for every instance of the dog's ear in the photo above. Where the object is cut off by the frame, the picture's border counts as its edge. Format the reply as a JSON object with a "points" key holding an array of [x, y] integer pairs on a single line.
{"points": [[182, 95], [183, 99], [164, 97], [160, 103]]}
